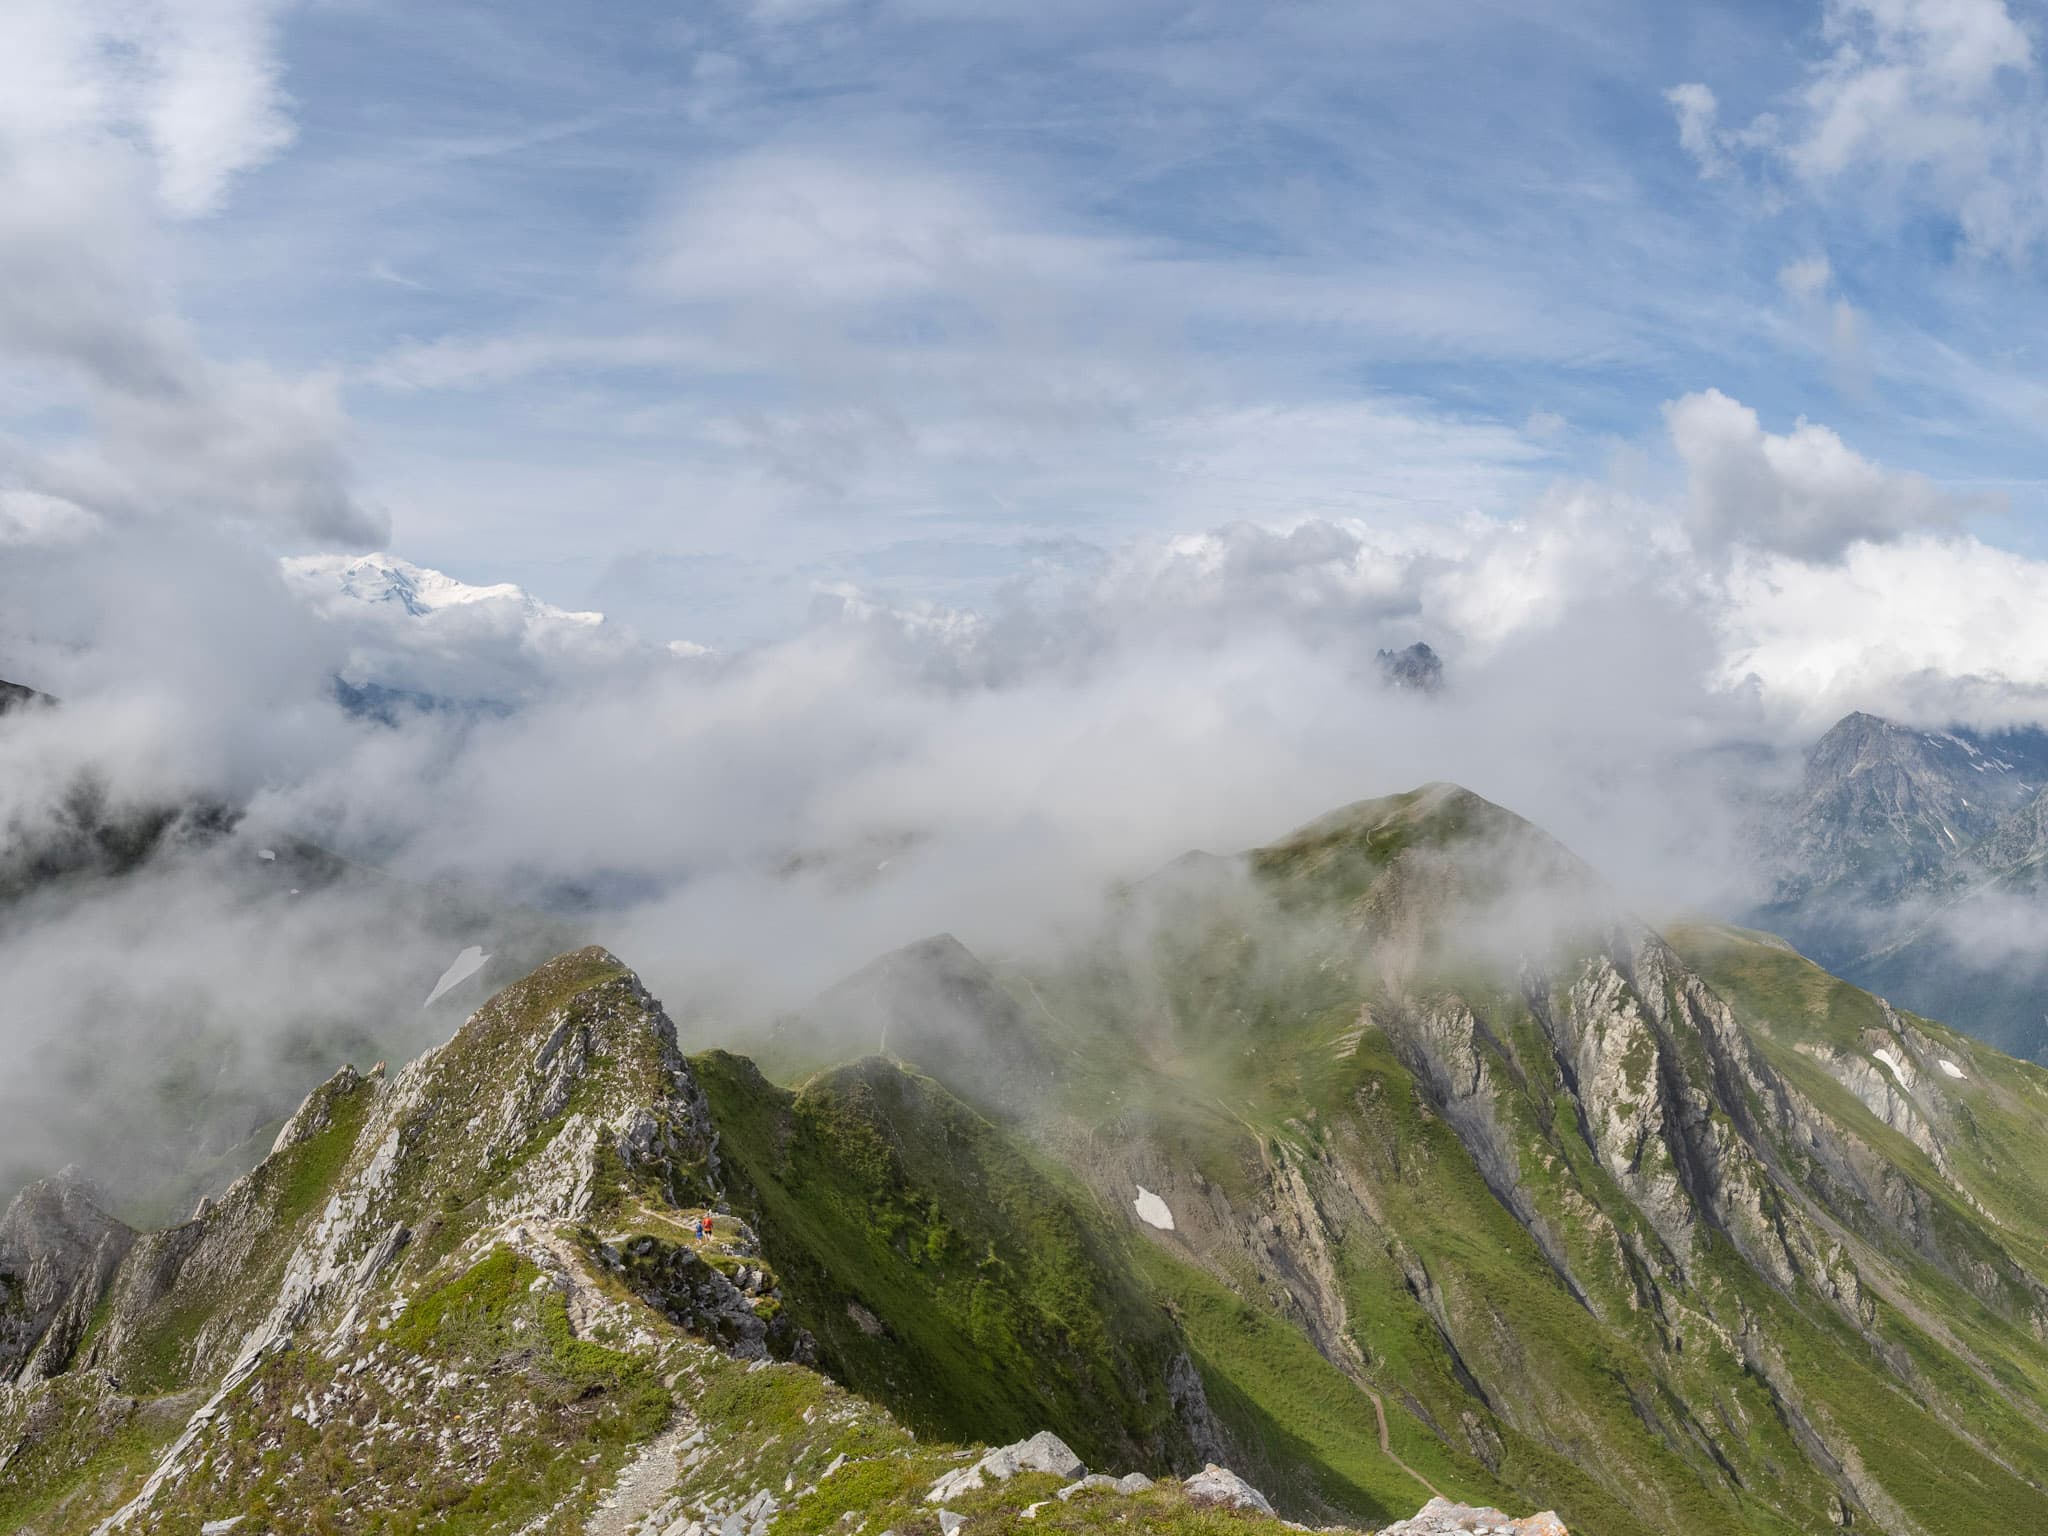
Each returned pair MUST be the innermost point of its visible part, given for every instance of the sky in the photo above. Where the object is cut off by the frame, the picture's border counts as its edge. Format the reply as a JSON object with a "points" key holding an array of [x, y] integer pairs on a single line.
{"points": [[685, 313], [997, 439]]}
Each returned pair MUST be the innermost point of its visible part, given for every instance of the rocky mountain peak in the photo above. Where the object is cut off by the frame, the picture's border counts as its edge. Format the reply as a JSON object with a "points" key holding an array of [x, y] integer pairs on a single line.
{"points": [[1415, 667], [19, 696], [1883, 806], [55, 1233]]}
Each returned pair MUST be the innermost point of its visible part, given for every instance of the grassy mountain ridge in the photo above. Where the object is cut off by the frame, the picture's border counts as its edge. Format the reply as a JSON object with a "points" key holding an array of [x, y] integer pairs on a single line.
{"points": [[1387, 1160], [1582, 1223]]}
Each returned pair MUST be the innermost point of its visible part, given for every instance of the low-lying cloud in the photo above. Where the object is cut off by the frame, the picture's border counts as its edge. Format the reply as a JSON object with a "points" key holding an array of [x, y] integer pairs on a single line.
{"points": [[745, 828]]}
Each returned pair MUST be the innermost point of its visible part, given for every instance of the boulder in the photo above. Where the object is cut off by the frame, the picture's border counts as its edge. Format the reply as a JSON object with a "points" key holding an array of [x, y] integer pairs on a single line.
{"points": [[1043, 1452], [1440, 1517], [1093, 1481], [1220, 1485]]}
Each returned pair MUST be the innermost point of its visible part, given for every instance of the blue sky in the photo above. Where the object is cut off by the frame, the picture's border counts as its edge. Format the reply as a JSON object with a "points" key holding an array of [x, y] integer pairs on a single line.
{"points": [[679, 311]]}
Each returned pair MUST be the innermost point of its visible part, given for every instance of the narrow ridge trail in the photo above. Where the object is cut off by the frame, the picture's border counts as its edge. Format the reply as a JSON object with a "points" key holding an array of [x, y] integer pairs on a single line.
{"points": [[1379, 1413]]}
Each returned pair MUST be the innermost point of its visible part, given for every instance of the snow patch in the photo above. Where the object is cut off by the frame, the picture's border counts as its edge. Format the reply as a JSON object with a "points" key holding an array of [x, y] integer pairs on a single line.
{"points": [[1883, 1053], [1950, 1067], [268, 856], [465, 965], [1152, 1210]]}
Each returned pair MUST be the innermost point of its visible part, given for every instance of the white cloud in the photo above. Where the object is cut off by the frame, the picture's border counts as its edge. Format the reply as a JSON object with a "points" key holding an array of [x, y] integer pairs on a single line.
{"points": [[482, 362], [1907, 83], [1931, 629], [1835, 324], [1804, 493], [112, 117], [1936, 102], [30, 517], [1699, 127], [208, 94], [197, 81], [1808, 279], [811, 227]]}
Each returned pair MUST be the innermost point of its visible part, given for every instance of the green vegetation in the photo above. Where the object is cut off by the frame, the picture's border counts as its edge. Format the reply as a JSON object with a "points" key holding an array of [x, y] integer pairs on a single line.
{"points": [[75, 1452], [542, 1413], [503, 1311], [1532, 1224], [940, 1270]]}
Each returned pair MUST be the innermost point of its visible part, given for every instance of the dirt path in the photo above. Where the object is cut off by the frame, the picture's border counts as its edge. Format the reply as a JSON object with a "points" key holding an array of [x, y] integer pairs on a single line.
{"points": [[1379, 1412], [643, 1486]]}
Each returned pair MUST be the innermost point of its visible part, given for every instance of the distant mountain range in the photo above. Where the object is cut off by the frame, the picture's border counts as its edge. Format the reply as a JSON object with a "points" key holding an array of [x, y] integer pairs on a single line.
{"points": [[418, 590], [419, 640], [1911, 862]]}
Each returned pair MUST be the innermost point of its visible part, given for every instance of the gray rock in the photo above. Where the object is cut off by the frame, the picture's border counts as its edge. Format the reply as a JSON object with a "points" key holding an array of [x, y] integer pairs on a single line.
{"points": [[950, 1522], [1133, 1482], [1043, 1452], [1094, 1480], [1416, 668], [1440, 1517], [1220, 1485], [58, 1252]]}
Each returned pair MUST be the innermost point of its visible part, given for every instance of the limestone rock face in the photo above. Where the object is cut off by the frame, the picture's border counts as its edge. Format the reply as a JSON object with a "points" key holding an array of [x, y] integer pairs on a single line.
{"points": [[58, 1247], [1440, 1517]]}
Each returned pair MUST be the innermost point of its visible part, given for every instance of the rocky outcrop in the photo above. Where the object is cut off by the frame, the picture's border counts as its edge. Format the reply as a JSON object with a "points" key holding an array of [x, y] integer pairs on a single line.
{"points": [[739, 1310], [1440, 1517], [1043, 1452], [565, 1090], [58, 1249], [1222, 1487]]}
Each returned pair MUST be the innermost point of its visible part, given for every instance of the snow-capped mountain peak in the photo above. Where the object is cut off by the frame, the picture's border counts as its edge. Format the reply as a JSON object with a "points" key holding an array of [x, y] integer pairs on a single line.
{"points": [[418, 589]]}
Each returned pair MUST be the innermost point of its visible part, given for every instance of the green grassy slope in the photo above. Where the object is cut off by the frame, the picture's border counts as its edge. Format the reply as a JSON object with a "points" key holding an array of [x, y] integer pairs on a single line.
{"points": [[941, 1271], [1724, 1297]]}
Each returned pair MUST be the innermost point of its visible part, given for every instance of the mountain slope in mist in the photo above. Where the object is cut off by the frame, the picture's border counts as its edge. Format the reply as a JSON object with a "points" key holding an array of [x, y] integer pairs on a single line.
{"points": [[1668, 1254], [1910, 861], [19, 696], [1387, 1160]]}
